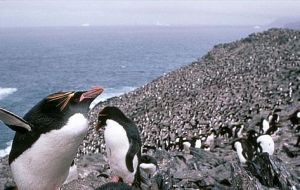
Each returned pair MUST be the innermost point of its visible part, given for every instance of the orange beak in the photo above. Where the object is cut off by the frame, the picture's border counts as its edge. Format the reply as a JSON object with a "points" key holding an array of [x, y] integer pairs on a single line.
{"points": [[92, 93]]}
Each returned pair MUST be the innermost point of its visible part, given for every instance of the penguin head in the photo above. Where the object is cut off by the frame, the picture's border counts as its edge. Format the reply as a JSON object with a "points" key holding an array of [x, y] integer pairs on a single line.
{"points": [[213, 132], [225, 130], [147, 159], [148, 164], [72, 102], [273, 118], [53, 108], [112, 113]]}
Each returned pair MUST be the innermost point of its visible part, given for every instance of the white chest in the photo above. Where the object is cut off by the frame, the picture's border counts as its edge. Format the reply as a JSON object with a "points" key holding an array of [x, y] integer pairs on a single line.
{"points": [[239, 151], [266, 125], [239, 133], [117, 146], [210, 139], [266, 143], [198, 143], [115, 137], [45, 165]]}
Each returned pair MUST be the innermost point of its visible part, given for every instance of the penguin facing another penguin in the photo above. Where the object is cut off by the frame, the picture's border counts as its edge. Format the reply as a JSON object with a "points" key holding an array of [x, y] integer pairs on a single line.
{"points": [[123, 144], [47, 138]]}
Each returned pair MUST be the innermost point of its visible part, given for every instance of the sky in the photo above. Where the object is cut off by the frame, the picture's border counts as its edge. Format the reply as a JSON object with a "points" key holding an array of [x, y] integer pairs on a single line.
{"points": [[27, 13]]}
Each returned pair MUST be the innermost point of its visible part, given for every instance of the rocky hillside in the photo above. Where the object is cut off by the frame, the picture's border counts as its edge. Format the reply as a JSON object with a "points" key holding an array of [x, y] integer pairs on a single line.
{"points": [[235, 83], [239, 82]]}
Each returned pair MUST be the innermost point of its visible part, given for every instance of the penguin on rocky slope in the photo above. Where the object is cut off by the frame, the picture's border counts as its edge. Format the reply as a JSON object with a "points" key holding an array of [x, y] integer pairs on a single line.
{"points": [[47, 138], [148, 164], [245, 151], [123, 145], [262, 143], [295, 118]]}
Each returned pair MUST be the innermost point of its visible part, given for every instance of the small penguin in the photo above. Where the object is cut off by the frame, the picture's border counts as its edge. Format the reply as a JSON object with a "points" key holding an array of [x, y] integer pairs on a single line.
{"points": [[148, 164], [273, 130], [226, 132], [273, 119], [47, 138], [196, 142], [237, 130], [209, 142], [186, 146], [148, 171], [295, 117], [123, 144], [264, 125], [244, 150], [262, 143]]}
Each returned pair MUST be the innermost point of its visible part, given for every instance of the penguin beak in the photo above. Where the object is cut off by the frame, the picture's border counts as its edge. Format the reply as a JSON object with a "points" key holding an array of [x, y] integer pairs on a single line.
{"points": [[92, 93]]}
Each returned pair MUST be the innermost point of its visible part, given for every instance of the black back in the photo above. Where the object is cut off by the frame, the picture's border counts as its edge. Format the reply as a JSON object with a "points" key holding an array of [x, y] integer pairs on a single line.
{"points": [[45, 116]]}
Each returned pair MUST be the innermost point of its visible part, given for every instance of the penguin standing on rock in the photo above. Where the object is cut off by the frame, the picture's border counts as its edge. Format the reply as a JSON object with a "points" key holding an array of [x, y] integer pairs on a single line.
{"points": [[264, 125], [262, 143], [123, 144], [148, 164], [244, 150], [47, 138]]}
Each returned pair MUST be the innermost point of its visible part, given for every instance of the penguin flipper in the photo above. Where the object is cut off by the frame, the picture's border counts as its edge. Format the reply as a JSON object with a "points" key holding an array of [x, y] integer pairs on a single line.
{"points": [[132, 151], [14, 122]]}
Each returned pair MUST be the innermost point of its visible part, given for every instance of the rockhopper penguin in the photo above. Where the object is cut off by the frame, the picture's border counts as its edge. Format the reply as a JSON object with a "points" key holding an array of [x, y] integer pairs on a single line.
{"points": [[47, 138], [123, 144]]}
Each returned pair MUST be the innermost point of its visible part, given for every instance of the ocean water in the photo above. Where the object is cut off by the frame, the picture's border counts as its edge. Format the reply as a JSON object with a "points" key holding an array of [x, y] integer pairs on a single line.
{"points": [[35, 62]]}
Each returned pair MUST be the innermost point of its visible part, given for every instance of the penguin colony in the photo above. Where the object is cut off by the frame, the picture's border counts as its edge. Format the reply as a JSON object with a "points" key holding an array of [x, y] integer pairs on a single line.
{"points": [[227, 86], [234, 84], [222, 117]]}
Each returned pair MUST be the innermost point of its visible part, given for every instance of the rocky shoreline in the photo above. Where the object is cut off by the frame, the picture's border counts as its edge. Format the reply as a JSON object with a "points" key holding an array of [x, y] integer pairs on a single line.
{"points": [[237, 82]]}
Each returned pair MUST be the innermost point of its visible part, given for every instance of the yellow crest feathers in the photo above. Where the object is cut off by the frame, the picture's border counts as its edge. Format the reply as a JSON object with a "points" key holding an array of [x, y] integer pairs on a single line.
{"points": [[63, 97]]}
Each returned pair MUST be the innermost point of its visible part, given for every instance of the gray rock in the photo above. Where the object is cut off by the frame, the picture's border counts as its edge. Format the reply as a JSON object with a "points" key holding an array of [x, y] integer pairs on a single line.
{"points": [[272, 172]]}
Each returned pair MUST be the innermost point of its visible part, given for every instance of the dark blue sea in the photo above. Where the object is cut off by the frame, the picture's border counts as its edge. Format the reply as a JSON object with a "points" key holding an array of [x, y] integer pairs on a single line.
{"points": [[35, 62]]}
